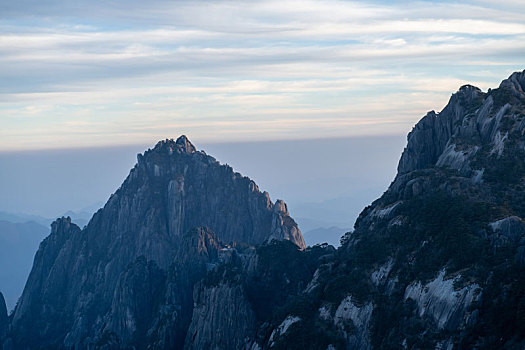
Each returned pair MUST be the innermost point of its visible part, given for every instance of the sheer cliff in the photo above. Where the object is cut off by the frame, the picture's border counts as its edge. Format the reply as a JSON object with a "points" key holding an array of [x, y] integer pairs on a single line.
{"points": [[127, 277]]}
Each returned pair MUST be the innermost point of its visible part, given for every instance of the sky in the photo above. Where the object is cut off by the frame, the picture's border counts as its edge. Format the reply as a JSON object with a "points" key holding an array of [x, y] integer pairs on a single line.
{"points": [[90, 73], [327, 181]]}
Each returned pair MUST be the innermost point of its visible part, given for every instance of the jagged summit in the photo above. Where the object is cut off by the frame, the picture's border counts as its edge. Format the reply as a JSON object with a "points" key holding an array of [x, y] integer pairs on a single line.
{"points": [[471, 122], [194, 185], [61, 225], [181, 145], [468, 87], [516, 83], [185, 143]]}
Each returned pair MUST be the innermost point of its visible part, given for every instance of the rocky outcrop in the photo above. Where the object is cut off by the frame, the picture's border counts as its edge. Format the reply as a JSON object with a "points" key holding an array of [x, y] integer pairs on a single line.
{"points": [[87, 287], [240, 303], [222, 319], [47, 282], [200, 192], [430, 137], [509, 233], [453, 211], [135, 303], [515, 84], [439, 300], [198, 252], [354, 322], [471, 121]]}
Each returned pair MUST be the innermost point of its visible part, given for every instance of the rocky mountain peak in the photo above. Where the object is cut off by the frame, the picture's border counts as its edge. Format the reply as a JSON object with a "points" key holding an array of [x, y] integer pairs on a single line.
{"points": [[469, 89], [516, 84], [436, 262], [181, 145], [62, 229], [194, 183], [61, 225], [455, 212], [161, 229], [471, 121], [185, 143], [281, 207]]}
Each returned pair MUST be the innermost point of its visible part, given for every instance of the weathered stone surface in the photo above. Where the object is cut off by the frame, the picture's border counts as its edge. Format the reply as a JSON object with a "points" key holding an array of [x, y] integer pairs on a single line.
{"points": [[136, 300], [357, 319], [429, 138], [516, 84], [439, 300], [509, 230], [222, 319], [454, 211], [198, 252], [43, 298]]}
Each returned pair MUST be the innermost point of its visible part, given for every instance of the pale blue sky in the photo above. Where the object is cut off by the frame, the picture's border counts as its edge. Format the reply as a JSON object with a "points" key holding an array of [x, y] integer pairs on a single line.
{"points": [[85, 73]]}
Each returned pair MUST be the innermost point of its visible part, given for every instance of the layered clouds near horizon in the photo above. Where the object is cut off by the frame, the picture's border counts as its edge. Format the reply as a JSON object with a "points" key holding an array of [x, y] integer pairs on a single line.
{"points": [[84, 73]]}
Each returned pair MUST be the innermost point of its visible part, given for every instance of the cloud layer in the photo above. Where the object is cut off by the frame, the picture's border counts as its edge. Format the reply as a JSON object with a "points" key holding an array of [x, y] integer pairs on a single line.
{"points": [[88, 73]]}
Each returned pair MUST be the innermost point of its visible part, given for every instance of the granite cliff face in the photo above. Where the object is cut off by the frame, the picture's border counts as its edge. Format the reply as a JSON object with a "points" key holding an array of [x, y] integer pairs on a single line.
{"points": [[127, 278], [238, 302]]}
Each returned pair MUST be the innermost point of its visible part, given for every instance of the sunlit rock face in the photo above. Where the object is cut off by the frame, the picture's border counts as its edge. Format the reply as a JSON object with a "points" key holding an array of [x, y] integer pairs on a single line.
{"points": [[141, 254], [439, 300]]}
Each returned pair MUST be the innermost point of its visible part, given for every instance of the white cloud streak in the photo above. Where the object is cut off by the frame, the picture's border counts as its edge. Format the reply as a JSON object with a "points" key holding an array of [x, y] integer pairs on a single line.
{"points": [[81, 73]]}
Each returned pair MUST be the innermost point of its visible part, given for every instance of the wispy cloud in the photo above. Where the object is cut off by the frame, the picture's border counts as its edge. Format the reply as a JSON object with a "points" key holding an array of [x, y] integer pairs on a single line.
{"points": [[76, 73]]}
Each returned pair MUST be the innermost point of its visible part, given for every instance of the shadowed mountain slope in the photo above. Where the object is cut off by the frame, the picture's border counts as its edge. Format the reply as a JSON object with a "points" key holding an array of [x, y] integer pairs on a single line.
{"points": [[84, 282]]}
